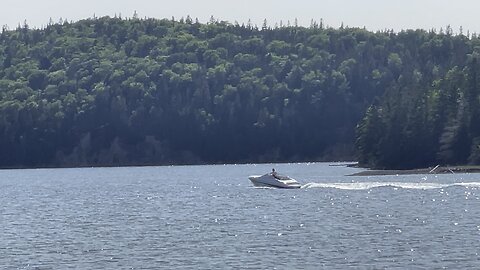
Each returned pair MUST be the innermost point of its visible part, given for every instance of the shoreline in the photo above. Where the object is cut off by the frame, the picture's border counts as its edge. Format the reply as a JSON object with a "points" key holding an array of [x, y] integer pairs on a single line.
{"points": [[431, 170]]}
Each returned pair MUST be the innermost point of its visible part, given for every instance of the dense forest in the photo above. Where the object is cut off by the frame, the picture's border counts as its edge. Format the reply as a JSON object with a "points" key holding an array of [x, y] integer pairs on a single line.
{"points": [[129, 91], [430, 113]]}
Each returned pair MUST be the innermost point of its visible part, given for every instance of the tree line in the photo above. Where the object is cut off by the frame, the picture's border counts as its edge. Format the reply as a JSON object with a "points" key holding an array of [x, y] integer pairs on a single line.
{"points": [[130, 91]]}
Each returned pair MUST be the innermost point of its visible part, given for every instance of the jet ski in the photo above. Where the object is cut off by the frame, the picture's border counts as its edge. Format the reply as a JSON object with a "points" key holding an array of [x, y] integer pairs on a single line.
{"points": [[275, 180]]}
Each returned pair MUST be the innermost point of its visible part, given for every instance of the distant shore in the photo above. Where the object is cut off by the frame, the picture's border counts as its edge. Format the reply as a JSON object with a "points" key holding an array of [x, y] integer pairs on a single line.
{"points": [[431, 170]]}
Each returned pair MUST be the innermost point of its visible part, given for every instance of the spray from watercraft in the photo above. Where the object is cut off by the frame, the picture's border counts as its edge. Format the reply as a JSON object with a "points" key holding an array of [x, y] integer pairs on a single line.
{"points": [[402, 185]]}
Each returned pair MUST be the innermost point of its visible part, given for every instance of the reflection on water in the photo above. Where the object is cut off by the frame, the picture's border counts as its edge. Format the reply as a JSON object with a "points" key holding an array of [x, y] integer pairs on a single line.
{"points": [[204, 217]]}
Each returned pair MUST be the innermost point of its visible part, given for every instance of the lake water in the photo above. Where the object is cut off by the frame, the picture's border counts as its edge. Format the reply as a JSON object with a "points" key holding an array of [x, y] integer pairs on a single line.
{"points": [[211, 217]]}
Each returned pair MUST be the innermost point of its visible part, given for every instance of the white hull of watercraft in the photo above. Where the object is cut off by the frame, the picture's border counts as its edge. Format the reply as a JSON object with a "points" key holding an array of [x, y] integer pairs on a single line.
{"points": [[268, 180]]}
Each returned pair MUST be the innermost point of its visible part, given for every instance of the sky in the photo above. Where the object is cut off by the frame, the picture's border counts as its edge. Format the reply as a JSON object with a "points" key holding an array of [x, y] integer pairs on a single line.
{"points": [[372, 14]]}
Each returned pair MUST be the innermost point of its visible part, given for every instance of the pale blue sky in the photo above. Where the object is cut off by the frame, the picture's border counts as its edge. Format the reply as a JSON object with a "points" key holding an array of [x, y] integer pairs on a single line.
{"points": [[374, 14]]}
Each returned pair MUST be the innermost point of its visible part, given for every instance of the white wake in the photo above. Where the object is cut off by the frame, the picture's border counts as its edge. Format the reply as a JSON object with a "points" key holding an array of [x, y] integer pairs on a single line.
{"points": [[403, 185]]}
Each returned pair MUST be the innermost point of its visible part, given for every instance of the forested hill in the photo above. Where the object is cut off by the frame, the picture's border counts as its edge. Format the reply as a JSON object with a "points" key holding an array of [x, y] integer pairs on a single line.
{"points": [[112, 91]]}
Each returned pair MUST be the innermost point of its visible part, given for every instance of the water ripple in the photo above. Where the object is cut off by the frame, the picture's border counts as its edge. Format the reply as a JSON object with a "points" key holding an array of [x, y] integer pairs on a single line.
{"points": [[209, 217]]}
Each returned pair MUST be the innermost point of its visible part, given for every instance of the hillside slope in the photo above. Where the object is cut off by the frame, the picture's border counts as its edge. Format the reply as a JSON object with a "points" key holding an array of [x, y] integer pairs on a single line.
{"points": [[112, 91]]}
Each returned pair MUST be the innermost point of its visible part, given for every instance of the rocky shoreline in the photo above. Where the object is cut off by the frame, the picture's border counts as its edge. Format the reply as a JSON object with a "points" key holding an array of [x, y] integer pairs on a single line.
{"points": [[431, 170]]}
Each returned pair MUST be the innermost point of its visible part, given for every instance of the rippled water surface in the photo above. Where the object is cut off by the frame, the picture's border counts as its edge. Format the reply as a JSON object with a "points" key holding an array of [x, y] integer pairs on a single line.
{"points": [[211, 217]]}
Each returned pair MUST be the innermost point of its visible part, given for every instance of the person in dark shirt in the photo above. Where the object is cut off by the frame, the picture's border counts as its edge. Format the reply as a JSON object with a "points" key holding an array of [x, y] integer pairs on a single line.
{"points": [[274, 173]]}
